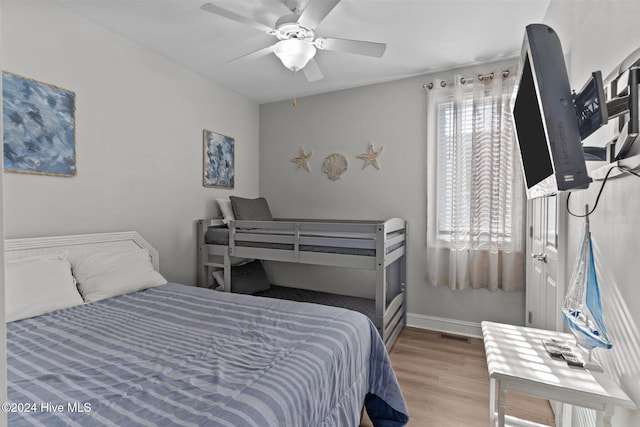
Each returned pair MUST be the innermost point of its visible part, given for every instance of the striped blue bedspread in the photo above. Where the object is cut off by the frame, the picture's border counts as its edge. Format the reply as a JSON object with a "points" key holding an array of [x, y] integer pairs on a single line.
{"points": [[184, 356]]}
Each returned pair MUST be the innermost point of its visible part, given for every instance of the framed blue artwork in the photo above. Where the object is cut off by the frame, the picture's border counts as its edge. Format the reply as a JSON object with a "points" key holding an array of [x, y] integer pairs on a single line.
{"points": [[39, 127], [218, 165]]}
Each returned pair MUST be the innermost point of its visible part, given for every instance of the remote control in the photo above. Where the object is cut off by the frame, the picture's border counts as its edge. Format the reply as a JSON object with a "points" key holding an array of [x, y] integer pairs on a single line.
{"points": [[554, 349], [574, 361]]}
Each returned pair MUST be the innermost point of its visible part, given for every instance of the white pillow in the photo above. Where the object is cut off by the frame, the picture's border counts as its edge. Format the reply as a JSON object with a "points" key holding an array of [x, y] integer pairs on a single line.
{"points": [[108, 274], [226, 209], [38, 285], [218, 276]]}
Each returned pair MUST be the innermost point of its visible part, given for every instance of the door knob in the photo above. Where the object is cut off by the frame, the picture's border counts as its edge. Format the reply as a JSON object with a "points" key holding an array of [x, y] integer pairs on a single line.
{"points": [[540, 257]]}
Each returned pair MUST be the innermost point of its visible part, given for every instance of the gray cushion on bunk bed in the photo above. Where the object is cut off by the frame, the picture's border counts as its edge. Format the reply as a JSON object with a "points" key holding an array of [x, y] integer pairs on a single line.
{"points": [[251, 209]]}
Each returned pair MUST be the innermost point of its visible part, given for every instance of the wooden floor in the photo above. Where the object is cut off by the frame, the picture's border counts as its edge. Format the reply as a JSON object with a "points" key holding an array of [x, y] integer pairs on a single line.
{"points": [[445, 382]]}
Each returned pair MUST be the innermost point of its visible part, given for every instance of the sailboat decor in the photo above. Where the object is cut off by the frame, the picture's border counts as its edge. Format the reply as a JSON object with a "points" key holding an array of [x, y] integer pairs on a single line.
{"points": [[582, 307]]}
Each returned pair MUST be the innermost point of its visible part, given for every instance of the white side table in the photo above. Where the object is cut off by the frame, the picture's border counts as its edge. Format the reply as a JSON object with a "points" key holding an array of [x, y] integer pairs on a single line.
{"points": [[518, 361]]}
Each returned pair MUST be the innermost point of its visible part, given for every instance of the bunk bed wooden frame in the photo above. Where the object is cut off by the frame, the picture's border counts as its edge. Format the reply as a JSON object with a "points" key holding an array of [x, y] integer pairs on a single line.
{"points": [[387, 239]]}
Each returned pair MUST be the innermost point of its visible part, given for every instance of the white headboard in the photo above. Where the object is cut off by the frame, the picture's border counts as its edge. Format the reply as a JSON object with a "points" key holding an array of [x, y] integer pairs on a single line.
{"points": [[78, 244]]}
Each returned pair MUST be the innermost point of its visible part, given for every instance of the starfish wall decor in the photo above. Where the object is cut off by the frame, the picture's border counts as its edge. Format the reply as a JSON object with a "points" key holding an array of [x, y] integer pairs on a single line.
{"points": [[302, 160], [371, 157]]}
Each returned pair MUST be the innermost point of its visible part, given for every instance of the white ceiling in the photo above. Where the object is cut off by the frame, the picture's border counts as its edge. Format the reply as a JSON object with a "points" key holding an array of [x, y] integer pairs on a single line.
{"points": [[422, 36]]}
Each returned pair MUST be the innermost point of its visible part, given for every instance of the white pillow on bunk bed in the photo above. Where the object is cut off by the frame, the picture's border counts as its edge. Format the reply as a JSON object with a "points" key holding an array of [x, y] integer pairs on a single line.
{"points": [[38, 285], [226, 210], [109, 274]]}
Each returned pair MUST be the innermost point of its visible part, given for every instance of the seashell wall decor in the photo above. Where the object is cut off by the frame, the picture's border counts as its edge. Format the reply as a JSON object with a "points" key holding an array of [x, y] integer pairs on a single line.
{"points": [[335, 165]]}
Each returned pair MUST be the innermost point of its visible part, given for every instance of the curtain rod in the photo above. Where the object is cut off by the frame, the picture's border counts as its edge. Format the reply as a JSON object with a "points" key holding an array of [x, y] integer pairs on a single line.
{"points": [[464, 80]]}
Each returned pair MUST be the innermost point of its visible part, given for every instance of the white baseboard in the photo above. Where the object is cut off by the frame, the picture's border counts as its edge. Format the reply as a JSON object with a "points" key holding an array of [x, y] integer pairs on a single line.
{"points": [[441, 324]]}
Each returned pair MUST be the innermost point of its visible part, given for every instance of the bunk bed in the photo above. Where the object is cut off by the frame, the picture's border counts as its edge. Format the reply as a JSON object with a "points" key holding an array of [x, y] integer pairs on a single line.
{"points": [[370, 245]]}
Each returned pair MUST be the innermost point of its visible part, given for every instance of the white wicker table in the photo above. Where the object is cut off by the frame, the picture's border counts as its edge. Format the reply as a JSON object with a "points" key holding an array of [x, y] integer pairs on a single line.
{"points": [[518, 361]]}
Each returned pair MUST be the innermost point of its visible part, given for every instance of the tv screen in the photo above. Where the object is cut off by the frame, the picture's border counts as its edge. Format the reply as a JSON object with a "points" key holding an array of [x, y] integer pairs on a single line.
{"points": [[545, 118]]}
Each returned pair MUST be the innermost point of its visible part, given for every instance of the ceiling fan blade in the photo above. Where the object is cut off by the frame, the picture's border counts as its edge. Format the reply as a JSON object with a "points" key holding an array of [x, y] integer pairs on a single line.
{"points": [[351, 46], [217, 10], [253, 55], [311, 71], [315, 12]]}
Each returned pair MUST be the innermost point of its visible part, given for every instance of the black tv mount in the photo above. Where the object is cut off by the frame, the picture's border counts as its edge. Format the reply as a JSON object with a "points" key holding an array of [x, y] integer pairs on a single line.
{"points": [[593, 112], [626, 102]]}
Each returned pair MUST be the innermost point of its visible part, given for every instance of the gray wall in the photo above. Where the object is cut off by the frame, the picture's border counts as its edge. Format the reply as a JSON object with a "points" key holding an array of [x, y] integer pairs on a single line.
{"points": [[392, 115], [139, 122], [599, 37]]}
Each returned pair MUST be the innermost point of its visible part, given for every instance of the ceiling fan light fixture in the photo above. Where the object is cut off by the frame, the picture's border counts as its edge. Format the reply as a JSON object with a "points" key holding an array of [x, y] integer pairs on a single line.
{"points": [[294, 53]]}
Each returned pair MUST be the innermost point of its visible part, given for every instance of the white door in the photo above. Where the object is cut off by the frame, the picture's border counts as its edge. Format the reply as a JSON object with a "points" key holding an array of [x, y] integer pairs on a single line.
{"points": [[544, 296], [546, 270]]}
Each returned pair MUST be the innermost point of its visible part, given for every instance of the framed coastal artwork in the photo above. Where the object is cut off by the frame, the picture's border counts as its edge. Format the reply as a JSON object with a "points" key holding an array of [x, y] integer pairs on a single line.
{"points": [[39, 127], [218, 164]]}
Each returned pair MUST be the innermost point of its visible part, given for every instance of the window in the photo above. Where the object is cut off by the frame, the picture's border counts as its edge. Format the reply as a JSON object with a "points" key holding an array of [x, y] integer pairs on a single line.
{"points": [[447, 163], [475, 189], [475, 179]]}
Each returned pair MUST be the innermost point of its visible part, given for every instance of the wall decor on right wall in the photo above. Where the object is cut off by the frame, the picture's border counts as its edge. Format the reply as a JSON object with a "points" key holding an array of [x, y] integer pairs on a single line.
{"points": [[335, 165], [370, 157], [218, 163]]}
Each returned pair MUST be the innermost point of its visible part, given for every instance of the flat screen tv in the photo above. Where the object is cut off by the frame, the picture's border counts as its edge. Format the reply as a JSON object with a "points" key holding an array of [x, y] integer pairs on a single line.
{"points": [[545, 118]]}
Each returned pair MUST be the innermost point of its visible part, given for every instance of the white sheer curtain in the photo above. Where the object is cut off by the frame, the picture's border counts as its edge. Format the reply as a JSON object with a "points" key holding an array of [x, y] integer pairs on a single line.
{"points": [[476, 204]]}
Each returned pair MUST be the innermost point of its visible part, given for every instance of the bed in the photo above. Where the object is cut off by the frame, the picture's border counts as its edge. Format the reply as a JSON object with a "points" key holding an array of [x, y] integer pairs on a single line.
{"points": [[371, 245], [168, 354]]}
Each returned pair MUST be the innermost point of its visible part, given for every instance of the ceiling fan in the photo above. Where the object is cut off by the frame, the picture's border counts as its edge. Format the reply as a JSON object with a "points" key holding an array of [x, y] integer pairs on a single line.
{"points": [[298, 43]]}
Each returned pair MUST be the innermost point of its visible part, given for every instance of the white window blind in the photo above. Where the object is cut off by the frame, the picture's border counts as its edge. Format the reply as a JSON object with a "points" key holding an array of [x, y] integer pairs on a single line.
{"points": [[474, 188]]}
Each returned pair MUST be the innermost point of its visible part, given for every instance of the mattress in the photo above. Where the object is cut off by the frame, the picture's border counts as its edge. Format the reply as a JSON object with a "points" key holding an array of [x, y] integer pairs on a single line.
{"points": [[361, 305], [179, 355]]}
